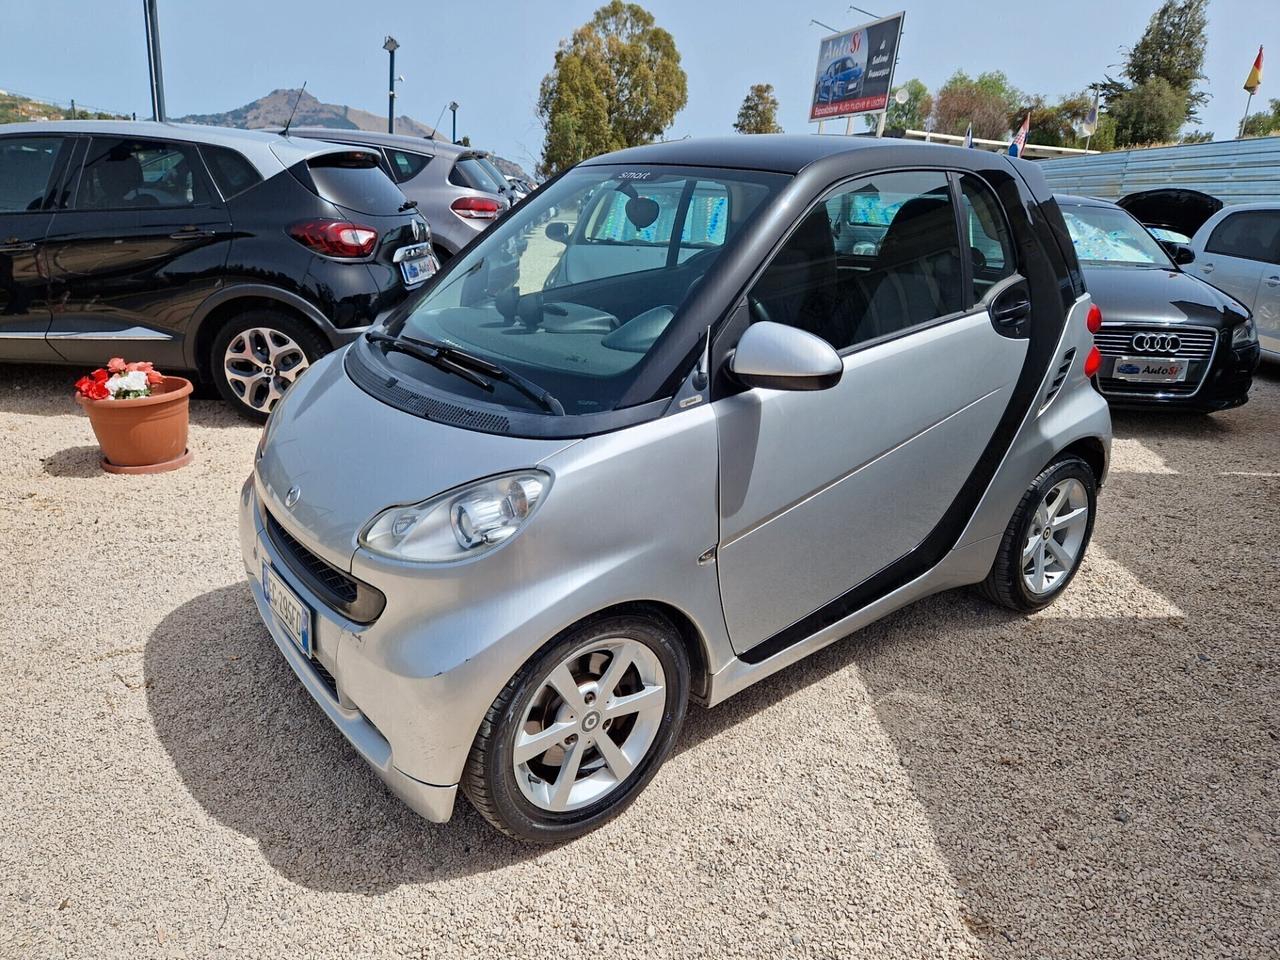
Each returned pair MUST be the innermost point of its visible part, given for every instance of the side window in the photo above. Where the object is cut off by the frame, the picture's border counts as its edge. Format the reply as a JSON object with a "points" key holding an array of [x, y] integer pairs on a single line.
{"points": [[231, 172], [986, 233], [406, 165], [1250, 234], [902, 270], [26, 164], [139, 173]]}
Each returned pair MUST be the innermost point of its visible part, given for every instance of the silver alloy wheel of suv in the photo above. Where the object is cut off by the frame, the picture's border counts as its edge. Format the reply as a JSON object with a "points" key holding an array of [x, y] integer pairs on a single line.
{"points": [[260, 363]]}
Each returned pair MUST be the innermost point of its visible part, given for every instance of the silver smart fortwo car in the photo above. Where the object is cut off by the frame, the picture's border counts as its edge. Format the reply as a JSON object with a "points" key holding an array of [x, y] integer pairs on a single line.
{"points": [[743, 397]]}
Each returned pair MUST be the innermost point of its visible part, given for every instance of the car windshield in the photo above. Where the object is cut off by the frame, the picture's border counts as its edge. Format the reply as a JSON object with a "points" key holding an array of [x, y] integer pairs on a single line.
{"points": [[574, 288], [1108, 235]]}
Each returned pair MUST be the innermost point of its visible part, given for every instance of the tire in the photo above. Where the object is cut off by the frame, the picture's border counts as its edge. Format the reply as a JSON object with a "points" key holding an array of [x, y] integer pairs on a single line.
{"points": [[269, 349], [554, 731], [1015, 574]]}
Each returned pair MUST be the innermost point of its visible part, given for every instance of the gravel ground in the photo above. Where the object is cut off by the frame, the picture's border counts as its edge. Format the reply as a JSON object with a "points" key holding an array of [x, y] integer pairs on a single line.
{"points": [[1098, 781]]}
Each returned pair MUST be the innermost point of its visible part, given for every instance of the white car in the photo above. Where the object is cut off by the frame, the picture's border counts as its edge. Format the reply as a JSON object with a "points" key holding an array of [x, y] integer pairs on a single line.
{"points": [[1238, 251]]}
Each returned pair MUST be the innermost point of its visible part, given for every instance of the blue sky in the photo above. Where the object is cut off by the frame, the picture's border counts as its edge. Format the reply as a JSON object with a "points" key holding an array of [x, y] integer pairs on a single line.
{"points": [[490, 56]]}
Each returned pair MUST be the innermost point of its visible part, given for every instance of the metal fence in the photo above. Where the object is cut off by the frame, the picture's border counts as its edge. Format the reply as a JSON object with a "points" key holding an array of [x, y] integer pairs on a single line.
{"points": [[1234, 171]]}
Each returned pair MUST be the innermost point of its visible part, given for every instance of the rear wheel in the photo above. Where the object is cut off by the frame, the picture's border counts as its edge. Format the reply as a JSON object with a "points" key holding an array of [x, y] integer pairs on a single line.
{"points": [[257, 355], [1046, 538], [580, 730]]}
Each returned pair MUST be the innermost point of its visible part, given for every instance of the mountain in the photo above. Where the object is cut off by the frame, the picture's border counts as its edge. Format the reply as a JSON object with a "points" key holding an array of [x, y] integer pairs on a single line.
{"points": [[15, 108], [274, 109]]}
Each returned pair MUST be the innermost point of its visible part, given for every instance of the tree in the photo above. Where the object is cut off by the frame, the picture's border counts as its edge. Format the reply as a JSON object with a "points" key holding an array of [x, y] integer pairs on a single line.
{"points": [[1054, 124], [1150, 112], [912, 115], [617, 82], [1264, 123], [759, 111], [987, 102], [1172, 49]]}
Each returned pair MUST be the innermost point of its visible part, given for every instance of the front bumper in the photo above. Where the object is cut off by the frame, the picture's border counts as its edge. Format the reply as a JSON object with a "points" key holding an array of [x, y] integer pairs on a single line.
{"points": [[432, 801], [1226, 384]]}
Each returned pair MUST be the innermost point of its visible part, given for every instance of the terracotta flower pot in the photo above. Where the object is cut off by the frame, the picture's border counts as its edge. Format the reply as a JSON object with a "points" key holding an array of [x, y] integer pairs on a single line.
{"points": [[146, 434]]}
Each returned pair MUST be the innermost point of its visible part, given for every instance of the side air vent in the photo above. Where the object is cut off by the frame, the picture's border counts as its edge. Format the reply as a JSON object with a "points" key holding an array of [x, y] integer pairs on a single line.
{"points": [[1059, 378]]}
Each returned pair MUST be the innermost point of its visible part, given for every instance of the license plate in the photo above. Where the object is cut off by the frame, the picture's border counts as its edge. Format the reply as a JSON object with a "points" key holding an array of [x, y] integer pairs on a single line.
{"points": [[418, 269], [291, 613], [1150, 370]]}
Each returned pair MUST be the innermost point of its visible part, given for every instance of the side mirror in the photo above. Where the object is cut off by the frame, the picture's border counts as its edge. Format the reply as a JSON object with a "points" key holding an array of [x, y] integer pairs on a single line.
{"points": [[558, 231], [778, 357], [1181, 254]]}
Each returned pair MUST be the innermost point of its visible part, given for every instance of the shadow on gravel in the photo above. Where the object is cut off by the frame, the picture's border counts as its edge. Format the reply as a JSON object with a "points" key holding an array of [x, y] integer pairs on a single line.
{"points": [[260, 756], [83, 462]]}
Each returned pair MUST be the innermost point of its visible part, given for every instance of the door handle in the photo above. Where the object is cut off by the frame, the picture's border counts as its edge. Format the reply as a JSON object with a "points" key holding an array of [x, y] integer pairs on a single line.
{"points": [[1206, 268], [16, 247], [1008, 314], [192, 233], [1273, 281]]}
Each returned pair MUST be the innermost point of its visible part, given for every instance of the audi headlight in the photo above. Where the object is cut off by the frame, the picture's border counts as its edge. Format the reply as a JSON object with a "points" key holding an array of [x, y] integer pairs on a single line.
{"points": [[462, 523], [1244, 334]]}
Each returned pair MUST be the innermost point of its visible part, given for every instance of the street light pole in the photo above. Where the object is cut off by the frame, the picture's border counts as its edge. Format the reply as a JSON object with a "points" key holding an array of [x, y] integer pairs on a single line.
{"points": [[391, 47], [453, 107], [153, 59]]}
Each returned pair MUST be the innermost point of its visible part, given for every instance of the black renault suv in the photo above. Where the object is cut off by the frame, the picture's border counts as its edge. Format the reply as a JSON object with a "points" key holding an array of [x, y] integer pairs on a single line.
{"points": [[238, 254]]}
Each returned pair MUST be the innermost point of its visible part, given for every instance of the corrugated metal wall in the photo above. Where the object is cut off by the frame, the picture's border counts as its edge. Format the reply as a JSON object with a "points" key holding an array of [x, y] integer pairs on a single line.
{"points": [[1234, 171]]}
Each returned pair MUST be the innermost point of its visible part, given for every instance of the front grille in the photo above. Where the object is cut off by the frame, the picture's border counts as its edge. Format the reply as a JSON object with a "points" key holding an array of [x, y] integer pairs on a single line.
{"points": [[1196, 345], [354, 599], [325, 677], [1118, 342]]}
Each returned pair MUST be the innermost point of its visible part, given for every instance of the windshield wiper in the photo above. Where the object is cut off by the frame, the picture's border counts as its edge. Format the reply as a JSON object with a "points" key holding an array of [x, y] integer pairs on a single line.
{"points": [[463, 363]]}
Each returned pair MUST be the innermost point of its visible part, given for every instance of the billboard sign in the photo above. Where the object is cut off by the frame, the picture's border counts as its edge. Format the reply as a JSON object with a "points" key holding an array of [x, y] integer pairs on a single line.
{"points": [[855, 70]]}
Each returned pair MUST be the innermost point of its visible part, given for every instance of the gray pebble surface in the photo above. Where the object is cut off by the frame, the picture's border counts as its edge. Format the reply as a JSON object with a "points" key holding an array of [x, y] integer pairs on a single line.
{"points": [[1099, 780]]}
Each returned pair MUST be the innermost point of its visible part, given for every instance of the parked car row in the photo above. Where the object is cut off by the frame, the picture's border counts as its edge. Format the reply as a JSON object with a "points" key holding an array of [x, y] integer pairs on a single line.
{"points": [[242, 255]]}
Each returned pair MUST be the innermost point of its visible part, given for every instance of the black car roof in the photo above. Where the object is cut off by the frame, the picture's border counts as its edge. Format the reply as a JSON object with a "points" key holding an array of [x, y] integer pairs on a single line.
{"points": [[782, 152]]}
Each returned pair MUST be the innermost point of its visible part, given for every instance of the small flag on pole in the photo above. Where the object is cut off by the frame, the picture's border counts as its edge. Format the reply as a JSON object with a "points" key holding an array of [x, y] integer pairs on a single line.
{"points": [[1020, 138], [968, 136], [1254, 80]]}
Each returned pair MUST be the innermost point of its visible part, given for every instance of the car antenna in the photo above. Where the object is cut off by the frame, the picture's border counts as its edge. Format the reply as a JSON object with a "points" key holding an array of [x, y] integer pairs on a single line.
{"points": [[296, 101]]}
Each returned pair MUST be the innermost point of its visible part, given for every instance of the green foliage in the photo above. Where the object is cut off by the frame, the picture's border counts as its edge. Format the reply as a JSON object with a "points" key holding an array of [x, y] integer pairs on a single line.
{"points": [[1197, 136], [912, 115], [1172, 49], [465, 141], [987, 101], [1054, 124], [1264, 123], [1150, 112], [617, 82], [759, 111]]}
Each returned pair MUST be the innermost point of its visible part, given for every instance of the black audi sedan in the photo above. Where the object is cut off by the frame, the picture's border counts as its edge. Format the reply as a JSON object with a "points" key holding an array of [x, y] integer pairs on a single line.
{"points": [[1168, 339]]}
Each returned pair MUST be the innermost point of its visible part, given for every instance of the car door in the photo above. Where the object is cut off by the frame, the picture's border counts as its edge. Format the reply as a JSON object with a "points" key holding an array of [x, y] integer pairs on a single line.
{"points": [[821, 490], [1233, 252], [30, 168], [142, 243]]}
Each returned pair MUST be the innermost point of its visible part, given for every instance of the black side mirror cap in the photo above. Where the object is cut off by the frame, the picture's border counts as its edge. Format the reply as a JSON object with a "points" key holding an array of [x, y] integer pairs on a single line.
{"points": [[558, 231]]}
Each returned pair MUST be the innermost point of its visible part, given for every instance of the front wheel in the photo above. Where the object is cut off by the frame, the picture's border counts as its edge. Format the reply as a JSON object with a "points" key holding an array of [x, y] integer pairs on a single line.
{"points": [[1046, 538], [580, 730], [257, 355]]}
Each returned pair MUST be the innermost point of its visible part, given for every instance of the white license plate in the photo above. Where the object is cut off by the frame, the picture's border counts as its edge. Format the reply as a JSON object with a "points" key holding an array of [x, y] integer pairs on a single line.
{"points": [[1150, 370], [418, 269], [291, 613]]}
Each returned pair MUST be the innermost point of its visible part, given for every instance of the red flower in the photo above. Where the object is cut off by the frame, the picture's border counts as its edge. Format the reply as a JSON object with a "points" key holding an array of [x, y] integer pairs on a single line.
{"points": [[91, 388], [116, 365], [143, 365], [154, 377], [100, 375]]}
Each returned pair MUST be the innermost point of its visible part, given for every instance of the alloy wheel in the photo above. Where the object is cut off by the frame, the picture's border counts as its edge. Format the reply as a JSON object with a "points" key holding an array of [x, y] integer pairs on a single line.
{"points": [[260, 364], [1057, 534], [590, 724]]}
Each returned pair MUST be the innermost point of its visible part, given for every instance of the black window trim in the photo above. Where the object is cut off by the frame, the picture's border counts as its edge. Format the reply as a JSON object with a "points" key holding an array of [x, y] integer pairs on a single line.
{"points": [[213, 181], [211, 188], [1273, 254]]}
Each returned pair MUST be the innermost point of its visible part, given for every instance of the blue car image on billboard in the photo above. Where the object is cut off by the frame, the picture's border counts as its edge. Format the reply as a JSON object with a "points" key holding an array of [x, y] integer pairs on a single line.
{"points": [[841, 79]]}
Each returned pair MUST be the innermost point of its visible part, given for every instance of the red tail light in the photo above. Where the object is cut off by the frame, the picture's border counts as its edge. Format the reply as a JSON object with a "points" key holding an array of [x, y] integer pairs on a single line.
{"points": [[476, 208], [335, 238], [1094, 320], [1092, 362]]}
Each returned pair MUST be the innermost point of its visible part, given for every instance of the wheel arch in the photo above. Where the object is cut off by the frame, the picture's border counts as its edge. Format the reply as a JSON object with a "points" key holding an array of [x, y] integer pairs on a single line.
{"points": [[220, 306], [1093, 452]]}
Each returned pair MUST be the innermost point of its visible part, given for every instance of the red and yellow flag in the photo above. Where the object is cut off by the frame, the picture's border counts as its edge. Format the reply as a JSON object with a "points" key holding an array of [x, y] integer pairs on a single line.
{"points": [[1255, 75]]}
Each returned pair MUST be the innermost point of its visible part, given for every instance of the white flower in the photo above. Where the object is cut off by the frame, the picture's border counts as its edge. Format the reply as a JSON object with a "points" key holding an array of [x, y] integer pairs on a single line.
{"points": [[135, 381]]}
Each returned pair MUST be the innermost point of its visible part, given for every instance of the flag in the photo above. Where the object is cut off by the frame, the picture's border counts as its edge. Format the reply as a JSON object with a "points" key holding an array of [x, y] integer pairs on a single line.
{"points": [[1254, 80], [1091, 118], [1020, 139], [968, 136]]}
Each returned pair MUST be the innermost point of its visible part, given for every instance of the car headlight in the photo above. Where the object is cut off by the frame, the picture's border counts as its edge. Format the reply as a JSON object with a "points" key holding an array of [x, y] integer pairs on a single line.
{"points": [[465, 522], [1244, 334]]}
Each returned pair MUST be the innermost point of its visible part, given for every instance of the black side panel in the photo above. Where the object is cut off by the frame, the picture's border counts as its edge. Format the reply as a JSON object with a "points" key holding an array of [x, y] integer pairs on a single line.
{"points": [[1051, 292]]}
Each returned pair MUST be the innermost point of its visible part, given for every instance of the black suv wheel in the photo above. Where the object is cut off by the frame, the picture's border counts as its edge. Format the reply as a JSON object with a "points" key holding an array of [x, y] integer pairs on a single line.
{"points": [[257, 355]]}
